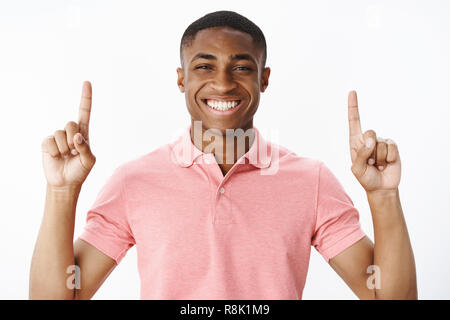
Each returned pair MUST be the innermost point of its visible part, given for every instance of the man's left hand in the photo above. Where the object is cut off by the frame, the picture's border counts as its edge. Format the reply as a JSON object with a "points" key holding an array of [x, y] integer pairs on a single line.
{"points": [[375, 161]]}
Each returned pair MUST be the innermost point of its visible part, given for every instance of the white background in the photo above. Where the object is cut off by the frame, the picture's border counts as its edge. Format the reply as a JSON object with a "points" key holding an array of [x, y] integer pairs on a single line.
{"points": [[396, 54]]}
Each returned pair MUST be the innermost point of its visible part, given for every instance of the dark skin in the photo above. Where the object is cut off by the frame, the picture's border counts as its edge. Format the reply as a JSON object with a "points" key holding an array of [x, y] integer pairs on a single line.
{"points": [[66, 170], [220, 75]]}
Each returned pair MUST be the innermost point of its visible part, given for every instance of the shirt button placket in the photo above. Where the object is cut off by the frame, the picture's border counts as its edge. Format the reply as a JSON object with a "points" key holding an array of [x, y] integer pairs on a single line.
{"points": [[223, 207]]}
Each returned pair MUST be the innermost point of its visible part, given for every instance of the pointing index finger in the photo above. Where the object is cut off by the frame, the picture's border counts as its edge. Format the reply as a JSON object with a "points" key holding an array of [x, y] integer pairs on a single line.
{"points": [[353, 115], [85, 109]]}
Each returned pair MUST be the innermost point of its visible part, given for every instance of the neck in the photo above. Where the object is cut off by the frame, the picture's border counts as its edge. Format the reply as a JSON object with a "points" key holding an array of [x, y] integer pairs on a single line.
{"points": [[226, 148]]}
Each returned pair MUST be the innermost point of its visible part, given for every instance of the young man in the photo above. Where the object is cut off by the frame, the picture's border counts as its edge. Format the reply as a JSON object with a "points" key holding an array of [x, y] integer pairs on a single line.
{"points": [[218, 222]]}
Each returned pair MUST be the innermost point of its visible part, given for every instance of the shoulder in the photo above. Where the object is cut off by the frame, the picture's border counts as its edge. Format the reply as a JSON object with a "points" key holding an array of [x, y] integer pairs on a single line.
{"points": [[291, 162], [155, 161]]}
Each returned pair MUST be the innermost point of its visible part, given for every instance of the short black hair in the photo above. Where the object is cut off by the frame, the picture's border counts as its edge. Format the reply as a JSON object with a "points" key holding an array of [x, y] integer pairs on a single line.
{"points": [[220, 19]]}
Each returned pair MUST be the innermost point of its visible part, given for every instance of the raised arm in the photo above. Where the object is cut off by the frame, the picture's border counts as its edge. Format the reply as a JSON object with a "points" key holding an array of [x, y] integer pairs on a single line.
{"points": [[67, 161], [385, 270]]}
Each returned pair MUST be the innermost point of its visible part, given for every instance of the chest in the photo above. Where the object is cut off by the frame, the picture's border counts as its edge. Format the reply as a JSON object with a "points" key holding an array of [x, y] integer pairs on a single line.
{"points": [[234, 219]]}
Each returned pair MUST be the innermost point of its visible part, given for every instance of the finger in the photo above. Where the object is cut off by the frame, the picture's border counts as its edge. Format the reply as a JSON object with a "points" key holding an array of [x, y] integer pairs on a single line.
{"points": [[392, 151], [381, 153], [363, 153], [49, 146], [372, 136], [71, 129], [86, 156], [61, 142], [353, 115], [85, 109]]}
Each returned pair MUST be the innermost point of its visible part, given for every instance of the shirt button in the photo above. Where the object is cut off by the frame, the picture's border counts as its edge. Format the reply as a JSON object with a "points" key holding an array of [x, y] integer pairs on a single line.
{"points": [[222, 190]]}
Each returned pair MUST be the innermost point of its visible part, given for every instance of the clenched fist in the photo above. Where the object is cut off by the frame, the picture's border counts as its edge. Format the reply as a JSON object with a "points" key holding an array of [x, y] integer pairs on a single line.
{"points": [[66, 155]]}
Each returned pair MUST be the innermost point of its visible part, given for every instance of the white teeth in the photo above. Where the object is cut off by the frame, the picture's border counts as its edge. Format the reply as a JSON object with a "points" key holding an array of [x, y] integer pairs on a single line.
{"points": [[222, 105]]}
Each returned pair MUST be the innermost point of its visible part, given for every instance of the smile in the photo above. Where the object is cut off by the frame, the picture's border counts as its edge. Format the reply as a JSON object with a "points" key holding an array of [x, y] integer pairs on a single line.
{"points": [[222, 105]]}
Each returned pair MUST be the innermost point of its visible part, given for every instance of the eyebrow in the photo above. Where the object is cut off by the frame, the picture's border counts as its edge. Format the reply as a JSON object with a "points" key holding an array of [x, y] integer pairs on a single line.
{"points": [[239, 56]]}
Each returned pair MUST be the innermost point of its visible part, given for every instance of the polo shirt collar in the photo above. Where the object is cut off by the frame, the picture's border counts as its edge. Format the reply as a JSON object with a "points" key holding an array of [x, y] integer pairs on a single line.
{"points": [[185, 152]]}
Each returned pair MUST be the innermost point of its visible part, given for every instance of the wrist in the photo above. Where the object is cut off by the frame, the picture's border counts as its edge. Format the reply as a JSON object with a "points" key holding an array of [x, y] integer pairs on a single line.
{"points": [[382, 194], [63, 192], [379, 199]]}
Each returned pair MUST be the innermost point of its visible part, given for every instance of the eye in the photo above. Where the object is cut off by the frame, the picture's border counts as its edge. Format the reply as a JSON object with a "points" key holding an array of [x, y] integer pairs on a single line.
{"points": [[202, 67], [243, 68]]}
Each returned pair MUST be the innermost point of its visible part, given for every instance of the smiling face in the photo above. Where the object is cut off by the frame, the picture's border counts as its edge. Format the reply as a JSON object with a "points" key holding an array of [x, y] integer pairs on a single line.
{"points": [[222, 77]]}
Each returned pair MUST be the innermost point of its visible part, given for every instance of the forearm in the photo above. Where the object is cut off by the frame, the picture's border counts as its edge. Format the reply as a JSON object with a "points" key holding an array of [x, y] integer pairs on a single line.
{"points": [[392, 249], [53, 252]]}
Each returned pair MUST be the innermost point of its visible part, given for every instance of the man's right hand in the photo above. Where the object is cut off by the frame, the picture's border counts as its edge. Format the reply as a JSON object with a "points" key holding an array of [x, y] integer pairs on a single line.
{"points": [[66, 155]]}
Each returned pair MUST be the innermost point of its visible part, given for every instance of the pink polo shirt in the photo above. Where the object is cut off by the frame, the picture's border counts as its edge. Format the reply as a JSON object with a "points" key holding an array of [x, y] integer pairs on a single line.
{"points": [[200, 235]]}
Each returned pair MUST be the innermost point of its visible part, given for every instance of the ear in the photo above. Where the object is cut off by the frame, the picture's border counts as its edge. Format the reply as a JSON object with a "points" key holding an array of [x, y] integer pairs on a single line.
{"points": [[180, 80], [265, 79]]}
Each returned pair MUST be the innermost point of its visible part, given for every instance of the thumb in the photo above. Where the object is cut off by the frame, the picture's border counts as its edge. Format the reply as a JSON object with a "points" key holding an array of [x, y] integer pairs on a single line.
{"points": [[83, 148], [359, 166]]}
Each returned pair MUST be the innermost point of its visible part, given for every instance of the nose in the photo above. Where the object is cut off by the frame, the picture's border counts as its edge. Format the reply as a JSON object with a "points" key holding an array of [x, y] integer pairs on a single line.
{"points": [[223, 82]]}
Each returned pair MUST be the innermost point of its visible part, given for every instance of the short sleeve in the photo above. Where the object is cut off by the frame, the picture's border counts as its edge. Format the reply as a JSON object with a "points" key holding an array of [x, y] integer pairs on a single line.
{"points": [[337, 220], [107, 226]]}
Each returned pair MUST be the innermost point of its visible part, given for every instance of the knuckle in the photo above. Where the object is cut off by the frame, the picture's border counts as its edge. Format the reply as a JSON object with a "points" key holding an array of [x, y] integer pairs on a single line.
{"points": [[46, 140], [390, 142], [59, 133], [49, 144], [71, 125]]}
